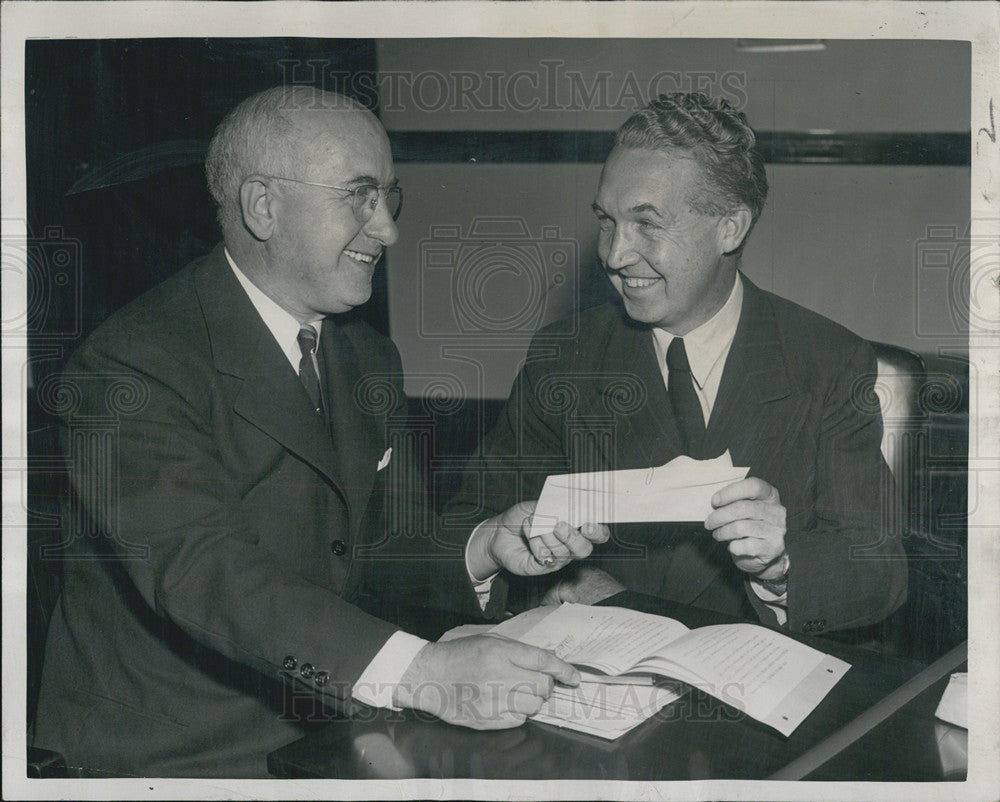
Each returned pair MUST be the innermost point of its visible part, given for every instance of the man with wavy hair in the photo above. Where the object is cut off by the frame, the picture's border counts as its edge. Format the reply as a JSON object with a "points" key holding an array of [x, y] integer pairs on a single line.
{"points": [[714, 363]]}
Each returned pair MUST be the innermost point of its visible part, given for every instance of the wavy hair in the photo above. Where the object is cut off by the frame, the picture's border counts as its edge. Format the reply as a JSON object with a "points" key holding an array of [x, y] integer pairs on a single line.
{"points": [[719, 139]]}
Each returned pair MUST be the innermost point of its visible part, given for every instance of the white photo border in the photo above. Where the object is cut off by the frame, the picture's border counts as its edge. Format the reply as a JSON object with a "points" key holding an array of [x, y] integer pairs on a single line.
{"points": [[978, 23]]}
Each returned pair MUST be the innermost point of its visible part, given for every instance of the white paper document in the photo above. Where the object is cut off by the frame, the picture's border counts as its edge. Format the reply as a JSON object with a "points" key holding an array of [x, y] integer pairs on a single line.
{"points": [[767, 675], [608, 639], [607, 710], [602, 705], [681, 490], [954, 704]]}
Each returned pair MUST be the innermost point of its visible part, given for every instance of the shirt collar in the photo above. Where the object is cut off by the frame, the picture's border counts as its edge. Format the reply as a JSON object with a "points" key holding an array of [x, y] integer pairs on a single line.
{"points": [[706, 344], [281, 323]]}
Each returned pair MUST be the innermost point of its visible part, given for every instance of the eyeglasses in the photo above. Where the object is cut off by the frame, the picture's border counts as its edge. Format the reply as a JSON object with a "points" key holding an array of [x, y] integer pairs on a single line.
{"points": [[364, 197]]}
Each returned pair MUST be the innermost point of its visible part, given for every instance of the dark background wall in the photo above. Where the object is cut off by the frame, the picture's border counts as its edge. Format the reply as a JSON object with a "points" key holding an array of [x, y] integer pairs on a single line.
{"points": [[116, 132]]}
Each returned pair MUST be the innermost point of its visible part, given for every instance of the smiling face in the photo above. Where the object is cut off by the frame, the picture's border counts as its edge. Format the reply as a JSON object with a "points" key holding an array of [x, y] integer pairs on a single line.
{"points": [[673, 266], [319, 258]]}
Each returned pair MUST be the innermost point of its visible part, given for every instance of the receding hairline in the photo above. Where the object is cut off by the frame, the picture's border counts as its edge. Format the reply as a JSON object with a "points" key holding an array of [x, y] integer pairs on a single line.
{"points": [[316, 123], [271, 133]]}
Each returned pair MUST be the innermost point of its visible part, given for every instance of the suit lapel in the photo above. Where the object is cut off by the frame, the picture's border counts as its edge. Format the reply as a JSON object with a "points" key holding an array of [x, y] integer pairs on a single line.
{"points": [[757, 412], [756, 397], [756, 401], [358, 439], [269, 396], [648, 436]]}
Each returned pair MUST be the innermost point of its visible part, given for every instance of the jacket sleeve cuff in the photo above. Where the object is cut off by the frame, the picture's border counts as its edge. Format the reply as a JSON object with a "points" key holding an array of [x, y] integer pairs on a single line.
{"points": [[775, 602], [482, 587]]}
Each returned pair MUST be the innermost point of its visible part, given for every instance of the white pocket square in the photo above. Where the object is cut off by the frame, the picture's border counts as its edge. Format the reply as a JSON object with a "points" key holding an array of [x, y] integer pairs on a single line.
{"points": [[385, 460]]}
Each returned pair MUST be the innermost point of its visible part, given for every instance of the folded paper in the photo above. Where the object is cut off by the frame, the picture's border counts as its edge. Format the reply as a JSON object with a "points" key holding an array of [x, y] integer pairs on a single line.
{"points": [[954, 704], [681, 490]]}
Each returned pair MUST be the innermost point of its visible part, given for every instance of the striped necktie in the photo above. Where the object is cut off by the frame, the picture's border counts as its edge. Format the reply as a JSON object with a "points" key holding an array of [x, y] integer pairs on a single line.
{"points": [[308, 341]]}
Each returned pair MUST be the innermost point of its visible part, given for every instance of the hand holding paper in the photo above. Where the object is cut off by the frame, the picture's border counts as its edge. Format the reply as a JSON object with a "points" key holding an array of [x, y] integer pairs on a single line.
{"points": [[745, 513], [681, 490], [750, 518], [502, 542]]}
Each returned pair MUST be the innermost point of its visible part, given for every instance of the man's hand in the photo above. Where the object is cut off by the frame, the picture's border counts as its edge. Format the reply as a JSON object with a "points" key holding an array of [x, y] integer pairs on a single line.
{"points": [[483, 682], [584, 585], [502, 542], [748, 515]]}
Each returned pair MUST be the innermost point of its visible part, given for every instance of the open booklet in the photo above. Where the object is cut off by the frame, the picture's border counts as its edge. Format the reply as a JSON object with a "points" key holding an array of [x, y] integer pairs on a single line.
{"points": [[680, 490], [600, 705], [767, 675]]}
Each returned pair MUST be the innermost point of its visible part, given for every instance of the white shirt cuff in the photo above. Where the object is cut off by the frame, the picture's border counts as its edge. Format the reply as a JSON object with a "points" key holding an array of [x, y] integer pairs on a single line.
{"points": [[378, 681], [482, 587], [778, 602]]}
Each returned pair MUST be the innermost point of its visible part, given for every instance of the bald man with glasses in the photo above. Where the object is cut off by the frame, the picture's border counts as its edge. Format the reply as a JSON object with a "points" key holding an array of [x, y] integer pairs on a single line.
{"points": [[250, 473]]}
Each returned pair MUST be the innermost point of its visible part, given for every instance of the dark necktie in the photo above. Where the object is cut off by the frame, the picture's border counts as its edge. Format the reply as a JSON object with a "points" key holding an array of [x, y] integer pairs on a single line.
{"points": [[684, 399], [307, 367]]}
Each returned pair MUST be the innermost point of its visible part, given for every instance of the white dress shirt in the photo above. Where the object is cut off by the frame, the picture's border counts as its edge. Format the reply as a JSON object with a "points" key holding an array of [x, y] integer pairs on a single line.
{"points": [[707, 348], [380, 677]]}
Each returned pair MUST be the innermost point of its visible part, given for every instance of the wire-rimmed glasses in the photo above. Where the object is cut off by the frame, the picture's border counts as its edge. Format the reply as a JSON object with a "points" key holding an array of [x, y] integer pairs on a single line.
{"points": [[364, 197]]}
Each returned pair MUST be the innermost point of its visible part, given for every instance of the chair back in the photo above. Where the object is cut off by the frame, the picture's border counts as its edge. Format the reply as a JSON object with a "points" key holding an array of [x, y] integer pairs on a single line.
{"points": [[901, 375]]}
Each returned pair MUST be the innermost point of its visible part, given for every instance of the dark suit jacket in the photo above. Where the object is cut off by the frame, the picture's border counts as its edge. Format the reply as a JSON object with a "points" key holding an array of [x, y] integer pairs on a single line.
{"points": [[216, 600], [793, 405]]}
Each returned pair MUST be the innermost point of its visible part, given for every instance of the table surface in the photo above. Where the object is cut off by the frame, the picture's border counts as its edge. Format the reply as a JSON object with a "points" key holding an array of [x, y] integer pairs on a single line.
{"points": [[696, 737], [911, 745]]}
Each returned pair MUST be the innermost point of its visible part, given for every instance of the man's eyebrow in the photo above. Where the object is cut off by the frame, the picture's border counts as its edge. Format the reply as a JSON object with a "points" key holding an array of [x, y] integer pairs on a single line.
{"points": [[643, 208], [370, 179]]}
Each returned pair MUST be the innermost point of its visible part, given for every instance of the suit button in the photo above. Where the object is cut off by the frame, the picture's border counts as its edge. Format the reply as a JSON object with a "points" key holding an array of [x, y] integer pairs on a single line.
{"points": [[338, 547], [289, 663], [322, 677], [307, 670]]}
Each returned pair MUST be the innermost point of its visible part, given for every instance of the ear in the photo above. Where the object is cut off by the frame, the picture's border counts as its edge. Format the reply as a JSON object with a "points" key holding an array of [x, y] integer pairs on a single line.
{"points": [[257, 206], [733, 228]]}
